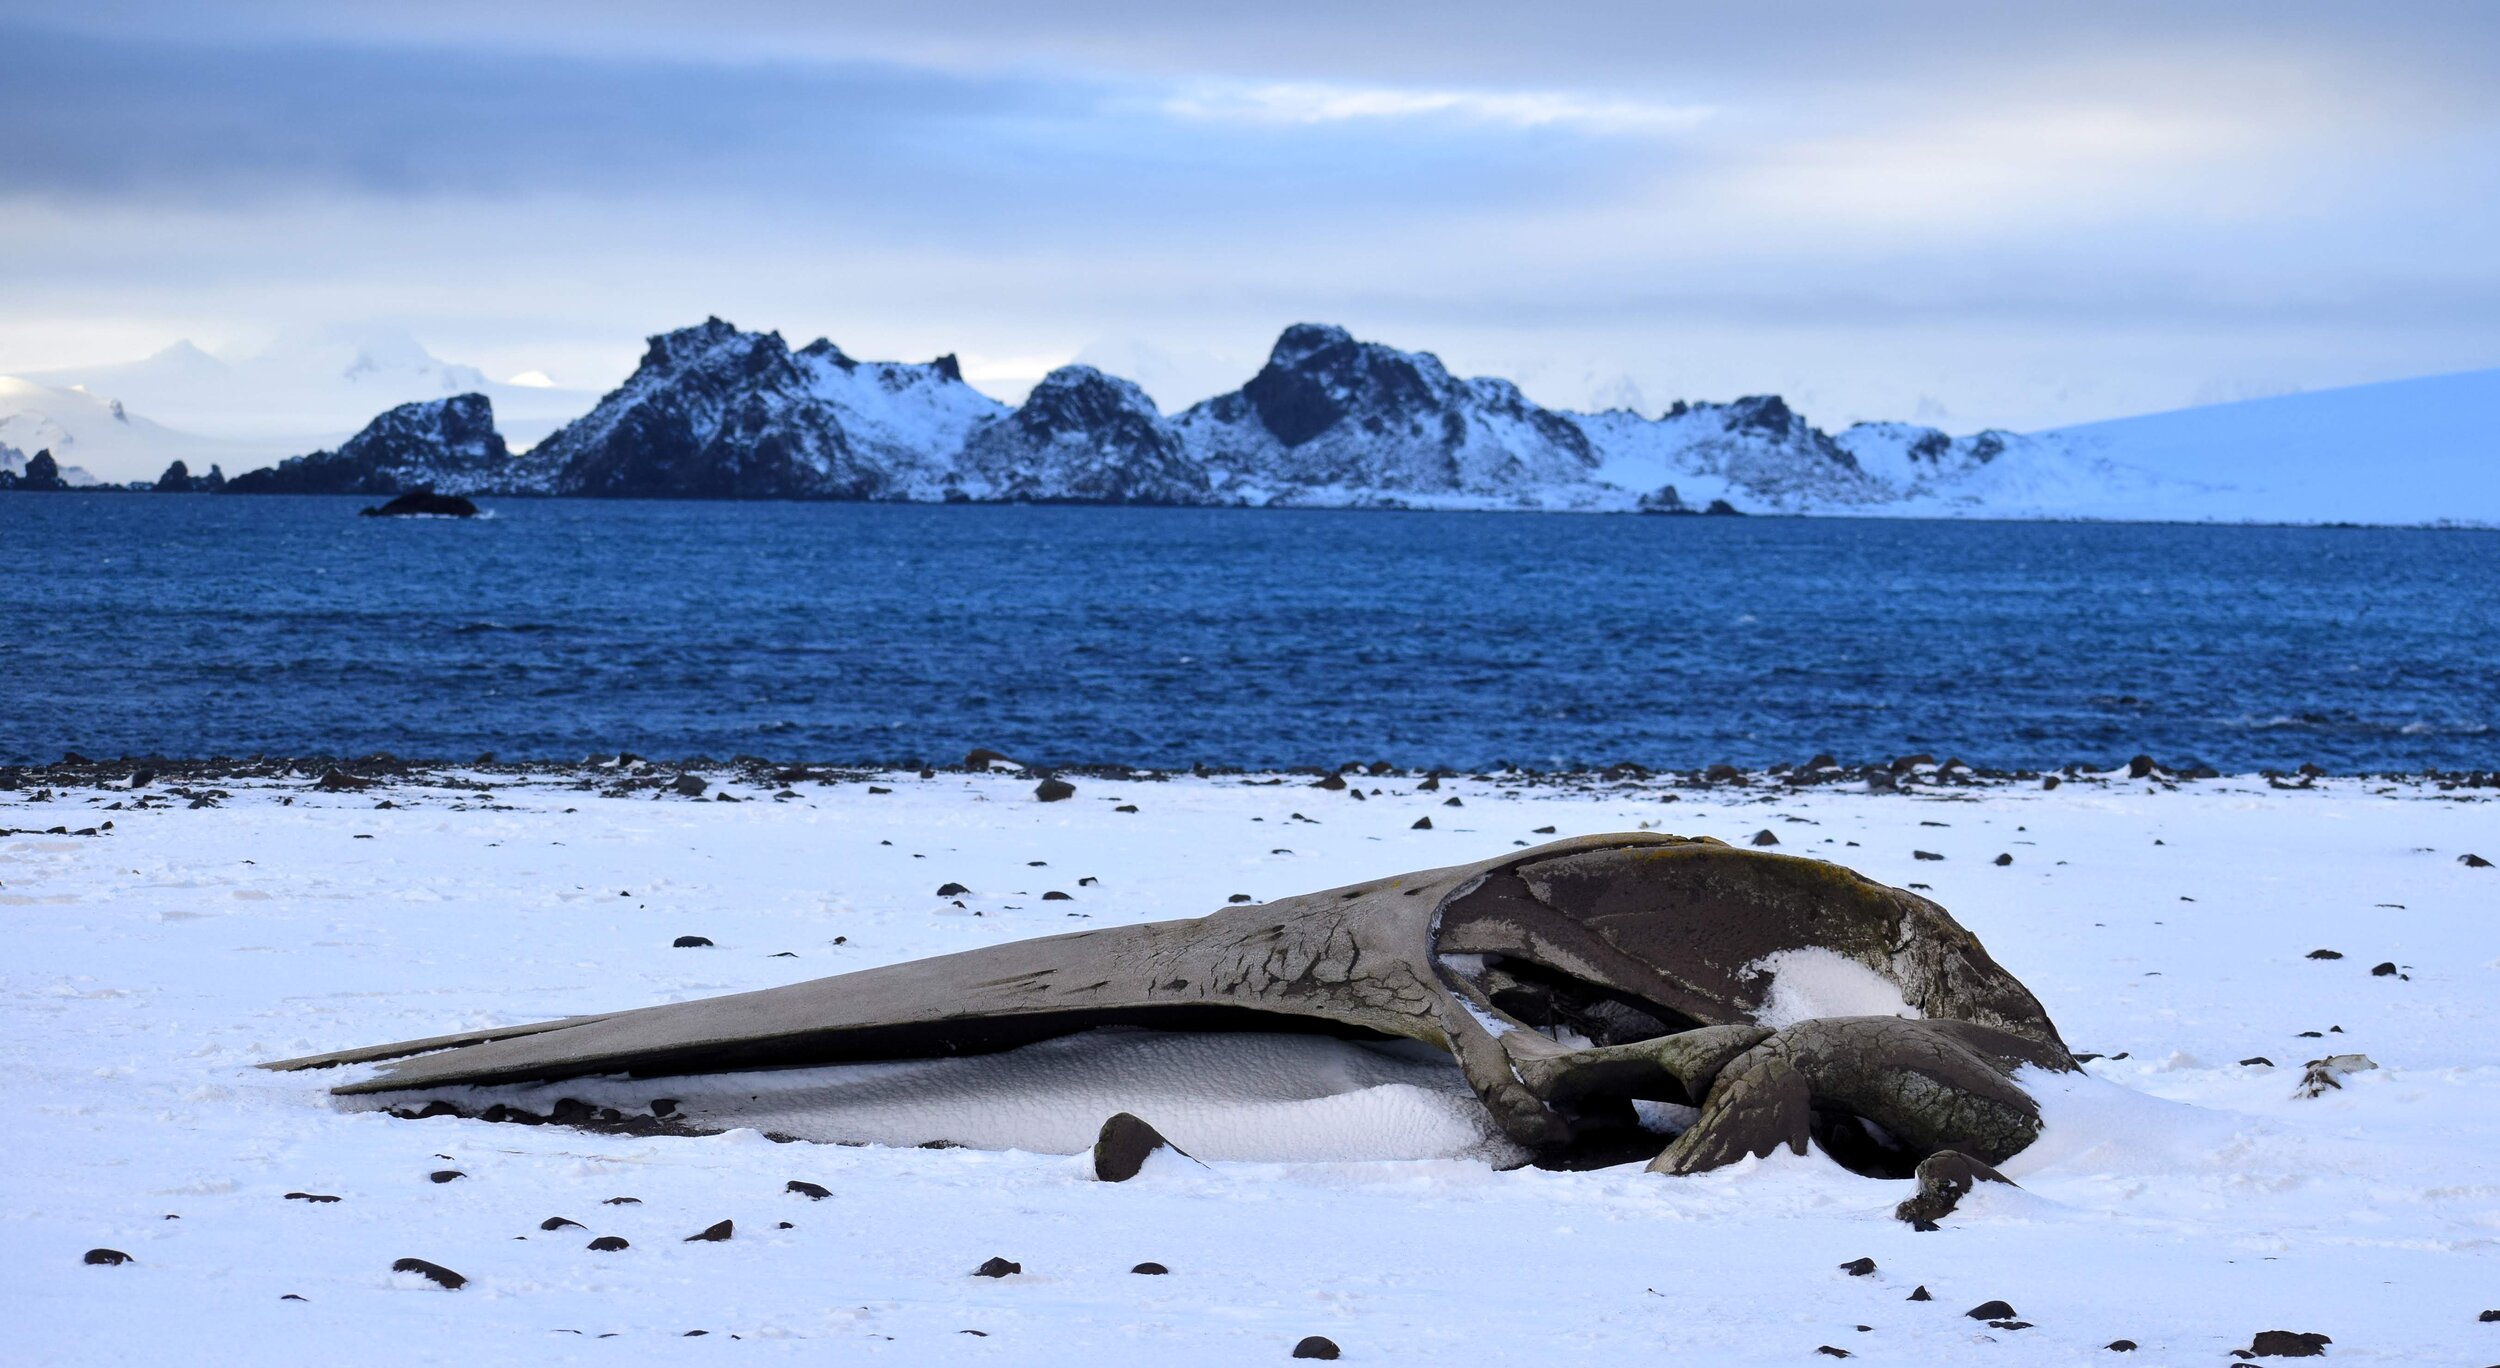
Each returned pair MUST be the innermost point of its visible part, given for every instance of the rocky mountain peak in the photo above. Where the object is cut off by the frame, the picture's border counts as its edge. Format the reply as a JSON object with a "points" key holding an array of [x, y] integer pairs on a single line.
{"points": [[446, 444]]}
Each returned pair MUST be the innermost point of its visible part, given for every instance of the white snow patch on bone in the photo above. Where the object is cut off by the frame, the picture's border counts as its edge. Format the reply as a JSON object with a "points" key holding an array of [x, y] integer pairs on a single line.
{"points": [[1219, 1096], [1812, 982]]}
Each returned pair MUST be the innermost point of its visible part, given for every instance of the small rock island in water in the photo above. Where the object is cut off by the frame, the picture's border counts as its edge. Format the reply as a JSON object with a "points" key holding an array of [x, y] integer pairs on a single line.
{"points": [[423, 503]]}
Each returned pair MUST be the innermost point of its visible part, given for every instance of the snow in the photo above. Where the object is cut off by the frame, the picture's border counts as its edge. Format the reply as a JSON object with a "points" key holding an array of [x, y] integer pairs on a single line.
{"points": [[305, 390], [2407, 451], [2176, 1198], [1815, 982], [94, 438], [1249, 1096]]}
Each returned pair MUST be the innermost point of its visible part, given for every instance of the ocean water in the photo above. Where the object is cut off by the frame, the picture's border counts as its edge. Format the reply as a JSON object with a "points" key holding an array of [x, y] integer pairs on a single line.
{"points": [[196, 625]]}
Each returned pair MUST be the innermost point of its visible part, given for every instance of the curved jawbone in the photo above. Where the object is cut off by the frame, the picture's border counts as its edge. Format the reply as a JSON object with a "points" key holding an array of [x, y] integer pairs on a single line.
{"points": [[1785, 998]]}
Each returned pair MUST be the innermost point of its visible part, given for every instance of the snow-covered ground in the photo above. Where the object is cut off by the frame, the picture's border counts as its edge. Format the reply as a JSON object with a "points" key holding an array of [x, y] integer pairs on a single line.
{"points": [[2178, 1198]]}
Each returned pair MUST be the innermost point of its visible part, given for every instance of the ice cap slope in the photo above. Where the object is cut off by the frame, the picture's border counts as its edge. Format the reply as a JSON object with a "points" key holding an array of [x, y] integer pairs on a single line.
{"points": [[2405, 451]]}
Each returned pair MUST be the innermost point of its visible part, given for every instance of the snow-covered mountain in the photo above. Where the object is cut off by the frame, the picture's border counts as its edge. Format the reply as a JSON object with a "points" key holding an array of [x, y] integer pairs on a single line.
{"points": [[447, 445], [1081, 436], [307, 388], [97, 438], [712, 412], [1330, 419]]}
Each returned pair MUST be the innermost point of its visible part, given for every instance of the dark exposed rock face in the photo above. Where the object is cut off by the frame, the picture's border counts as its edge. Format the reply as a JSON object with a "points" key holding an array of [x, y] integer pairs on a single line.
{"points": [[1332, 412], [41, 475], [1083, 437], [715, 413], [178, 479], [446, 445]]}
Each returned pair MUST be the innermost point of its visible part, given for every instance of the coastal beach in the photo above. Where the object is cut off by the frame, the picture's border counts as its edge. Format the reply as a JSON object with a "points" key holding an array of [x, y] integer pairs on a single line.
{"points": [[2182, 1197]]}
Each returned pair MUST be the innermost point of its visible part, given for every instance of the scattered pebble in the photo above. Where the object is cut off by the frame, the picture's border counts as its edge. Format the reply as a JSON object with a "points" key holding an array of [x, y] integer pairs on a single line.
{"points": [[310, 1197], [2473, 861], [2004, 858], [559, 1223], [1990, 1311], [995, 1267], [713, 1233], [609, 1244], [1831, 1352], [1919, 1293], [2383, 969], [1925, 855], [1315, 1347], [690, 942], [108, 1258], [1156, 1270], [446, 1175], [2122, 1346], [1053, 790], [1765, 837], [622, 1201], [813, 1192], [2326, 954], [1858, 1268], [1421, 824]]}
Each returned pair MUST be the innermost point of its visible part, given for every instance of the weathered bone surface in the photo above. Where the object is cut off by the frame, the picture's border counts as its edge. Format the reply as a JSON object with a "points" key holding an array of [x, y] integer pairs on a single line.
{"points": [[1566, 982]]}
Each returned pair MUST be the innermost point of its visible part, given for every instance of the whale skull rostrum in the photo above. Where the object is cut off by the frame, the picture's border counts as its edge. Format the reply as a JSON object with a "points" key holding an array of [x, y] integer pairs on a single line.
{"points": [[1787, 999]]}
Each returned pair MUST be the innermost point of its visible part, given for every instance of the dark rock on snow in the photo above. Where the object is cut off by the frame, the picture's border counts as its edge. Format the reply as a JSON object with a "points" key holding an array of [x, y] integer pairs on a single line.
{"points": [[437, 1274], [1315, 1347], [1124, 1144], [1150, 1269], [1990, 1311], [713, 1233], [995, 1267], [813, 1192], [108, 1258], [1054, 790], [690, 942], [609, 1244], [2284, 1344], [1858, 1268]]}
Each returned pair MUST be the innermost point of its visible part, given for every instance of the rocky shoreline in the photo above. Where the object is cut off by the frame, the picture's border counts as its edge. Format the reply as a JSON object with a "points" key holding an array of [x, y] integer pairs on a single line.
{"points": [[150, 782]]}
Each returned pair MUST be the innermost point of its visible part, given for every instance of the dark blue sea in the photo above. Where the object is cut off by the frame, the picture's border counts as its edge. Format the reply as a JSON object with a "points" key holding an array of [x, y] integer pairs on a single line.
{"points": [[188, 626]]}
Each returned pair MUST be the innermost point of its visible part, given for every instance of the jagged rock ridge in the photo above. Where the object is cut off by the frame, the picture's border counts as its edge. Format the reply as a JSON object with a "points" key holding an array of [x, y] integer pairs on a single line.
{"points": [[714, 412], [1082, 436], [1330, 416], [449, 445]]}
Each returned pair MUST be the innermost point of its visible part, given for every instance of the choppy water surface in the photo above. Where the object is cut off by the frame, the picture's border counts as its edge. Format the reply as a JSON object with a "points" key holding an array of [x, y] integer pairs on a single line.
{"points": [[192, 625]]}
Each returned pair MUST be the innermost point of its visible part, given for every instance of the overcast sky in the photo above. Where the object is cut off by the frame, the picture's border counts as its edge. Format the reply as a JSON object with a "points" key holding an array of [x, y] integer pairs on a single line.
{"points": [[1992, 214]]}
